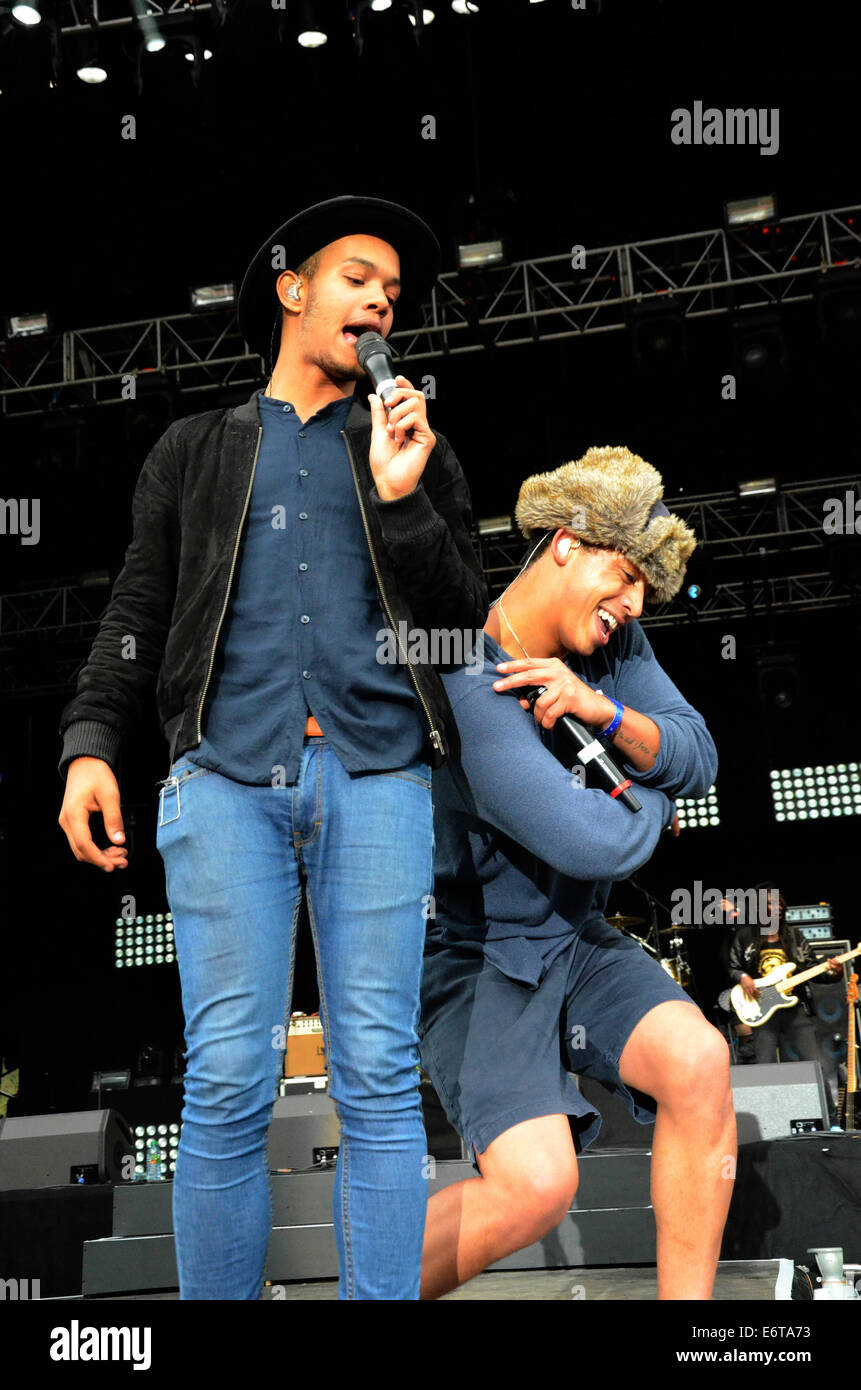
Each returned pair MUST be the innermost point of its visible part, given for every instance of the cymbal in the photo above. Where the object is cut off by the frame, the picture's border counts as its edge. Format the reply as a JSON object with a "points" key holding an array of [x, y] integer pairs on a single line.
{"points": [[673, 931], [625, 922]]}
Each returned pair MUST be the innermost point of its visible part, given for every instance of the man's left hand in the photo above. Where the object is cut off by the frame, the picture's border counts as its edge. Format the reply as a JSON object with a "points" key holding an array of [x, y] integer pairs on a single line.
{"points": [[565, 693], [834, 966], [402, 444]]}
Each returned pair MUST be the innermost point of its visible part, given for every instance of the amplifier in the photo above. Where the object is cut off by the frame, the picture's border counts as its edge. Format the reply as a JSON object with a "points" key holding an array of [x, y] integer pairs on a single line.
{"points": [[807, 916], [82, 1146], [776, 1099], [305, 1054]]}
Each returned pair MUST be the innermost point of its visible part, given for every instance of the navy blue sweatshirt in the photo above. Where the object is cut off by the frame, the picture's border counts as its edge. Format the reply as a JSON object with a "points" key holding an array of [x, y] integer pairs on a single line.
{"points": [[525, 855]]}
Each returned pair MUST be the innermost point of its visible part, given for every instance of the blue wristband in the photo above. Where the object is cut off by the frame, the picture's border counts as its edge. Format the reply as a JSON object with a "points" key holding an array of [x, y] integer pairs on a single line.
{"points": [[612, 727]]}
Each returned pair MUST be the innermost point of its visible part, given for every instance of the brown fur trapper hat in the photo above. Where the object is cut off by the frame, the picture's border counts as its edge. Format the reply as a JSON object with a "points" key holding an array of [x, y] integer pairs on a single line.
{"points": [[611, 497]]}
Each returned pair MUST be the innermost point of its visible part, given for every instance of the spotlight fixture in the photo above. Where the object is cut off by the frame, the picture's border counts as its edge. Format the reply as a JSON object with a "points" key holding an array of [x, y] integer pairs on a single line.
{"points": [[476, 254], [92, 74], [464, 6], [428, 17], [212, 297], [777, 679], [658, 332], [495, 526], [838, 307], [144, 941], [757, 487], [27, 325], [758, 345], [27, 14], [816, 793], [701, 813], [309, 29], [744, 211]]}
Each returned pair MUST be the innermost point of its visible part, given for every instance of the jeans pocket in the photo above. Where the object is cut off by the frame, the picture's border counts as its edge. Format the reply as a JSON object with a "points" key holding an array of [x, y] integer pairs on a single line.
{"points": [[170, 795], [418, 771]]}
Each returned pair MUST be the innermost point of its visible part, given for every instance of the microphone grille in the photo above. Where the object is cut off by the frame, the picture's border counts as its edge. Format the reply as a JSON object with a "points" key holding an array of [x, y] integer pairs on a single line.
{"points": [[370, 342]]}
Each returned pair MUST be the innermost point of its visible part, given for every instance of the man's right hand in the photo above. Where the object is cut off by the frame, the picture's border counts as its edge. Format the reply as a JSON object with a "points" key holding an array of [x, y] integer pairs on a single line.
{"points": [[91, 786], [749, 987]]}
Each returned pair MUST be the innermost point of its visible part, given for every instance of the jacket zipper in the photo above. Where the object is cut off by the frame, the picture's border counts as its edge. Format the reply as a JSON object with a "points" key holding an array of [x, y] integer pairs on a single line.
{"points": [[229, 582], [435, 735]]}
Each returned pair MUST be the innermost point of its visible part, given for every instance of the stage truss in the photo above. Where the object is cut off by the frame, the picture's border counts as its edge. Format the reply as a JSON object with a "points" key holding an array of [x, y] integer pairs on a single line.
{"points": [[696, 275]]}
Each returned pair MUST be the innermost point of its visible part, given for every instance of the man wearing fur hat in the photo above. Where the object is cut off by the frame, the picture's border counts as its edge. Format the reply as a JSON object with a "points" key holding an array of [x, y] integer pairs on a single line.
{"points": [[524, 981], [273, 542]]}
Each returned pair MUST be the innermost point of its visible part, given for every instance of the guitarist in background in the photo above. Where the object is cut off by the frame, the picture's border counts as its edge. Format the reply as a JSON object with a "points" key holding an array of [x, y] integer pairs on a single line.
{"points": [[753, 955]]}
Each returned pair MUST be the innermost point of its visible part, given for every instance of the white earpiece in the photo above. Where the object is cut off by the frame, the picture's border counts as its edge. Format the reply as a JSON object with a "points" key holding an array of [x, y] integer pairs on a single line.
{"points": [[564, 546], [293, 292]]}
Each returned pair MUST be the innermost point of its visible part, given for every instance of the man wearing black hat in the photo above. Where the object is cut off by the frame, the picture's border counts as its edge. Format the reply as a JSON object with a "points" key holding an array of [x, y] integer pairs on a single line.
{"points": [[275, 546]]}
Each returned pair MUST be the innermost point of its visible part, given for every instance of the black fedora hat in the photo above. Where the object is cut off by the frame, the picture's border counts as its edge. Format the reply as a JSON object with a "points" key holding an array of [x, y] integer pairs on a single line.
{"points": [[317, 226]]}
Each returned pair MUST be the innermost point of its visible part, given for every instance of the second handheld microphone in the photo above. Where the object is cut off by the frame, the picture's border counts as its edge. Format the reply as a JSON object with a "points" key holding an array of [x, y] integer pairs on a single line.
{"points": [[589, 750]]}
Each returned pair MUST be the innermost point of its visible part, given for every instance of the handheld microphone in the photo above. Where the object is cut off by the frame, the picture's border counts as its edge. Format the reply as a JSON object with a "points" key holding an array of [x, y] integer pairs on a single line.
{"points": [[375, 357], [589, 750]]}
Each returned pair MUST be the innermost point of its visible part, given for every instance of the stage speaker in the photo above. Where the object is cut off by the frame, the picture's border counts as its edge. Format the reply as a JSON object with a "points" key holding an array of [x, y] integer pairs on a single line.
{"points": [[830, 1017], [777, 1099], [619, 1129], [304, 1132], [83, 1146]]}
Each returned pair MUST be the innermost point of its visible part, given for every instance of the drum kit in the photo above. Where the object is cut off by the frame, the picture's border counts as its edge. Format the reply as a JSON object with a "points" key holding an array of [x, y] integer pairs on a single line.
{"points": [[675, 962]]}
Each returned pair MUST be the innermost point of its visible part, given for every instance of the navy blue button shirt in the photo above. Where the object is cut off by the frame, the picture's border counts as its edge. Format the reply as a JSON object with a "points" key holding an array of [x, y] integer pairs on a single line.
{"points": [[300, 630]]}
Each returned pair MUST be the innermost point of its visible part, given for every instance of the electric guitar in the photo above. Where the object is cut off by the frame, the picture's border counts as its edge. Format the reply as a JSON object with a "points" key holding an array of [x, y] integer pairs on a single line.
{"points": [[846, 1106], [774, 991]]}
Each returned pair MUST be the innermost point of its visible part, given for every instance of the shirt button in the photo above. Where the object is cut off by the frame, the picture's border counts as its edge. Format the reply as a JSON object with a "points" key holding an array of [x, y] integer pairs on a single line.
{"points": [[303, 567], [301, 434], [303, 516], [304, 618], [287, 409], [303, 472], [307, 675]]}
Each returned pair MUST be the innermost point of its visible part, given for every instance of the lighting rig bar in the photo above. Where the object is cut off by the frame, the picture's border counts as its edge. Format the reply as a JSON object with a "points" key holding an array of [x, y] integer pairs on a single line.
{"points": [[46, 632], [76, 14], [697, 275]]}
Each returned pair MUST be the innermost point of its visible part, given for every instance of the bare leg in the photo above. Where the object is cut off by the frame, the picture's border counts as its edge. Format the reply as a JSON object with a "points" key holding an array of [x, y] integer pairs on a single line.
{"points": [[677, 1057], [528, 1179]]}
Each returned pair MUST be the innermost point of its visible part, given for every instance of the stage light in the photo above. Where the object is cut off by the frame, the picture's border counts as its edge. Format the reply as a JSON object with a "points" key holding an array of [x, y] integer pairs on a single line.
{"points": [[464, 6], [838, 307], [694, 591], [147, 941], [495, 526], [475, 254], [27, 325], [26, 14], [212, 297], [757, 486], [379, 5], [816, 793], [92, 73], [658, 332], [699, 814], [309, 31], [428, 17], [758, 344], [746, 210], [777, 678]]}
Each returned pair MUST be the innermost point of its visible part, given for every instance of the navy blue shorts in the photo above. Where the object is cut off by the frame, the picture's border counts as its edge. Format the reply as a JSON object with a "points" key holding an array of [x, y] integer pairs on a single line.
{"points": [[499, 1052]]}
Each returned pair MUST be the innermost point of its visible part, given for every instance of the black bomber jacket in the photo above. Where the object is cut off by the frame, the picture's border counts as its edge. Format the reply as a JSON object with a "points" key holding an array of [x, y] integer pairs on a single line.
{"points": [[171, 595]]}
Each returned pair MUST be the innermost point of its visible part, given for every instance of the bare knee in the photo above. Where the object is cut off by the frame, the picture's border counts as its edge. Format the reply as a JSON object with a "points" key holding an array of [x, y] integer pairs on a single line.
{"points": [[696, 1076], [537, 1197]]}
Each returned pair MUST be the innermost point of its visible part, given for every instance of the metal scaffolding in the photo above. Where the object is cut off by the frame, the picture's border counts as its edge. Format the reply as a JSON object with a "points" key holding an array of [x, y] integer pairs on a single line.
{"points": [[759, 553], [763, 554], [696, 275]]}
